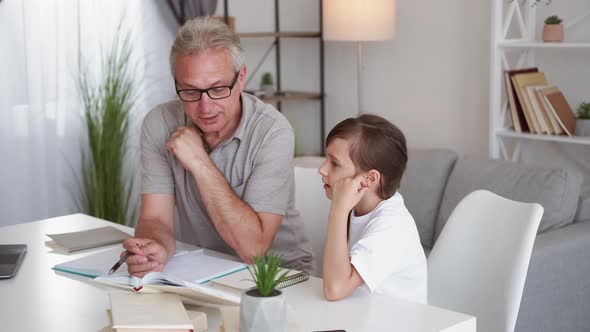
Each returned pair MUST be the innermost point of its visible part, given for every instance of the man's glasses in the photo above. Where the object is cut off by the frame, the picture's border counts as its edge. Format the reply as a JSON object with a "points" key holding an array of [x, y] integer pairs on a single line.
{"points": [[216, 92]]}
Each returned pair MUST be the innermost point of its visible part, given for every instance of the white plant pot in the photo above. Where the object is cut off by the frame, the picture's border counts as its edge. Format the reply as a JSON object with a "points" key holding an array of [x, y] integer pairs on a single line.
{"points": [[263, 314], [582, 127], [268, 90]]}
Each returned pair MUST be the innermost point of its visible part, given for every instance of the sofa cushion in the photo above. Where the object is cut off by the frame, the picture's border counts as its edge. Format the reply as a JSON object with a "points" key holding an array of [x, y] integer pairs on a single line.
{"points": [[557, 190], [422, 187], [583, 210]]}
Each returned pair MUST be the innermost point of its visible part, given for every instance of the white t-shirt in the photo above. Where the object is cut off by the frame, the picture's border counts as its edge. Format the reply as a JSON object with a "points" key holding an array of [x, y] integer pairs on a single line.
{"points": [[385, 249]]}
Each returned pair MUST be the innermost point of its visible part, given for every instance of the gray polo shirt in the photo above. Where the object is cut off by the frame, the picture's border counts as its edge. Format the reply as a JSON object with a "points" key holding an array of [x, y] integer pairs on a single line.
{"points": [[257, 162]]}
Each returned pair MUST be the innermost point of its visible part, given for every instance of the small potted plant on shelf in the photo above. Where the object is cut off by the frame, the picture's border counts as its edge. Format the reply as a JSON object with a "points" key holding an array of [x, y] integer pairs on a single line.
{"points": [[266, 85], [553, 29], [262, 308], [583, 119]]}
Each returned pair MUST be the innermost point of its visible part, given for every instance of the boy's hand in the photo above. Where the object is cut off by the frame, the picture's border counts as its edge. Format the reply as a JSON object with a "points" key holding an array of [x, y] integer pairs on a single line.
{"points": [[348, 192]]}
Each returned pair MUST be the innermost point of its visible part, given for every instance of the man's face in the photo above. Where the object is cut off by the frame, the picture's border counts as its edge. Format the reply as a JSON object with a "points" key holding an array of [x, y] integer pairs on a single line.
{"points": [[337, 165], [211, 68]]}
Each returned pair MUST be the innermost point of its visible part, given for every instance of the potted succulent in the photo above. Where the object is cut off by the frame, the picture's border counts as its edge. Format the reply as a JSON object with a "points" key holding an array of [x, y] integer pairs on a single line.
{"points": [[266, 85], [553, 29], [583, 119], [262, 308]]}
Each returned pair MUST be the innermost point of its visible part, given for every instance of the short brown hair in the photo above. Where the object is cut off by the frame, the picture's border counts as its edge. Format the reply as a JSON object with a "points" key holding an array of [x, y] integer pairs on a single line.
{"points": [[375, 144]]}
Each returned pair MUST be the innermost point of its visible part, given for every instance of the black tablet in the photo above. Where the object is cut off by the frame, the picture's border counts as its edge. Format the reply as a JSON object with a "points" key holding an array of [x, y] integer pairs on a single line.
{"points": [[10, 257]]}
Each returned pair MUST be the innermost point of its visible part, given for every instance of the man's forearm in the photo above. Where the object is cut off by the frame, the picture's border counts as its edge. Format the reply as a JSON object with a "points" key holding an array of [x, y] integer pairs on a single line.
{"points": [[156, 230], [237, 223]]}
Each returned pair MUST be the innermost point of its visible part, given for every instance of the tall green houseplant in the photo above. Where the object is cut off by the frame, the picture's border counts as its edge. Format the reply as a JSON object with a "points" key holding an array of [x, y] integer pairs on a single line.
{"points": [[106, 191]]}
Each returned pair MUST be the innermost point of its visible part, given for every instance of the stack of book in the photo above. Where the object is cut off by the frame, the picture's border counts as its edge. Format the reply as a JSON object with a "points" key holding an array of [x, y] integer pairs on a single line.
{"points": [[537, 107], [152, 313]]}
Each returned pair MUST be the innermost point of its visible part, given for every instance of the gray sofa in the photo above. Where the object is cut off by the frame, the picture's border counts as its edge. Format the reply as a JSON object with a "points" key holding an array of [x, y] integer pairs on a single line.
{"points": [[557, 289]]}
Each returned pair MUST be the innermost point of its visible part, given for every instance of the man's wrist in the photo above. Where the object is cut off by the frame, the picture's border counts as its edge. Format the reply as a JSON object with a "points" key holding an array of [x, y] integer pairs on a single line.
{"points": [[199, 164]]}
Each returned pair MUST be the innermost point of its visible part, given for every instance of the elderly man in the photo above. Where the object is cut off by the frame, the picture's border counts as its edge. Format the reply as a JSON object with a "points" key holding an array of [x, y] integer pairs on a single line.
{"points": [[221, 156]]}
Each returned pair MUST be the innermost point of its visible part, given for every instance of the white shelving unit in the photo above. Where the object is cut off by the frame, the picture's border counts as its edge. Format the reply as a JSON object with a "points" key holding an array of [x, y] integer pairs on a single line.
{"points": [[518, 18]]}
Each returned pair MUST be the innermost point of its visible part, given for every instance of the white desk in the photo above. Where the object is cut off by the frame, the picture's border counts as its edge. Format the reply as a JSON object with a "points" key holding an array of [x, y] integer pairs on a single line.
{"points": [[41, 299]]}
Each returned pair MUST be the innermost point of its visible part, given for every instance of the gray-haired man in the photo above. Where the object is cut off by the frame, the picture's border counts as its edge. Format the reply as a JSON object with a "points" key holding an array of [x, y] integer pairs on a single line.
{"points": [[221, 156]]}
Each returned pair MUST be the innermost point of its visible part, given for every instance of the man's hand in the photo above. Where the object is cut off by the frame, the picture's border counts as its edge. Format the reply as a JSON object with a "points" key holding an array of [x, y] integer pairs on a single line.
{"points": [[187, 146], [348, 192], [148, 255]]}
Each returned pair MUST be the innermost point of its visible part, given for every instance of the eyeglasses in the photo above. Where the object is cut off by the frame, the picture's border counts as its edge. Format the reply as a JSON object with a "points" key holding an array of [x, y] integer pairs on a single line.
{"points": [[216, 92]]}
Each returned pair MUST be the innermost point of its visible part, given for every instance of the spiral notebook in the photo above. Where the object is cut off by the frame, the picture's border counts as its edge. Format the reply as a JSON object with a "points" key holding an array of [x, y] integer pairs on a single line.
{"points": [[242, 280]]}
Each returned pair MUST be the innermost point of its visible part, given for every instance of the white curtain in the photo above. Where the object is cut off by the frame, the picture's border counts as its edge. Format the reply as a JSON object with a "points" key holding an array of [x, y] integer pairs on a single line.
{"points": [[41, 116]]}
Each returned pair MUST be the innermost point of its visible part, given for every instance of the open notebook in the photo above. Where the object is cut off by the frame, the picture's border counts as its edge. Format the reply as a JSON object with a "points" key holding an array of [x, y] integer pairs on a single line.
{"points": [[187, 274]]}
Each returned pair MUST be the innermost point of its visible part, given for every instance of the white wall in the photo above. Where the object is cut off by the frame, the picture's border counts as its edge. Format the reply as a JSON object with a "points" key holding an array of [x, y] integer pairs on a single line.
{"points": [[431, 80]]}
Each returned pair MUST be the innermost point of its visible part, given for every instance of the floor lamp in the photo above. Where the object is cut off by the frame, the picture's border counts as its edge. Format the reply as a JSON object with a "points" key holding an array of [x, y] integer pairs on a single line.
{"points": [[359, 21]]}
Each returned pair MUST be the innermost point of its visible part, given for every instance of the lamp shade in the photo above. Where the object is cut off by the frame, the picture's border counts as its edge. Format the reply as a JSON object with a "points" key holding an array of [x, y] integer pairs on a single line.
{"points": [[358, 20]]}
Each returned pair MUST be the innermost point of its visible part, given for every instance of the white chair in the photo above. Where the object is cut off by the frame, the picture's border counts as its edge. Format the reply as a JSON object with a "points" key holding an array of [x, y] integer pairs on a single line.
{"points": [[479, 262], [313, 205]]}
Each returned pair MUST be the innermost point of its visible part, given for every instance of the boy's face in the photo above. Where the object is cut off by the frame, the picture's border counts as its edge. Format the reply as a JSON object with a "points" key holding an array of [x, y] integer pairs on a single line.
{"points": [[337, 165]]}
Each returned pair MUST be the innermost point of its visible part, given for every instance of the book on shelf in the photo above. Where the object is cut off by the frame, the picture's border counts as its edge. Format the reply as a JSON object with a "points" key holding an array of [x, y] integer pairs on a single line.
{"points": [[516, 112], [148, 312], [520, 82], [563, 112], [537, 108], [542, 101]]}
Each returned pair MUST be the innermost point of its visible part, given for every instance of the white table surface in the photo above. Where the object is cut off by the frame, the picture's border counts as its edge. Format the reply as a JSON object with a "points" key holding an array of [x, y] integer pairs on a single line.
{"points": [[41, 299]]}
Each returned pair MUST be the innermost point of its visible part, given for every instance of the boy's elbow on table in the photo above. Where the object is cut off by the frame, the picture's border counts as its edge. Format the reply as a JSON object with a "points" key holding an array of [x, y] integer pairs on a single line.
{"points": [[335, 292]]}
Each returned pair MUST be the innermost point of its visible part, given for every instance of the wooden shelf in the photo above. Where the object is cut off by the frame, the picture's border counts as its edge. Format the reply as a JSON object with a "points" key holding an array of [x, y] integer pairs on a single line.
{"points": [[539, 44], [282, 34], [546, 138], [293, 95]]}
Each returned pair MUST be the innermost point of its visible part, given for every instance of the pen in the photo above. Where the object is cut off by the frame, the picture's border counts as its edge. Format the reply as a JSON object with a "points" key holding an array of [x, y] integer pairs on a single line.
{"points": [[120, 262]]}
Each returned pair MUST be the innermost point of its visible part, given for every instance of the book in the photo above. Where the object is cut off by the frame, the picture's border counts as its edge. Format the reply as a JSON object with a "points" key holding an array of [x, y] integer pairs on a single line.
{"points": [[153, 312], [184, 269], [186, 274], [93, 265], [542, 101], [87, 239], [562, 111], [520, 81], [539, 111], [242, 280], [516, 112], [198, 319]]}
